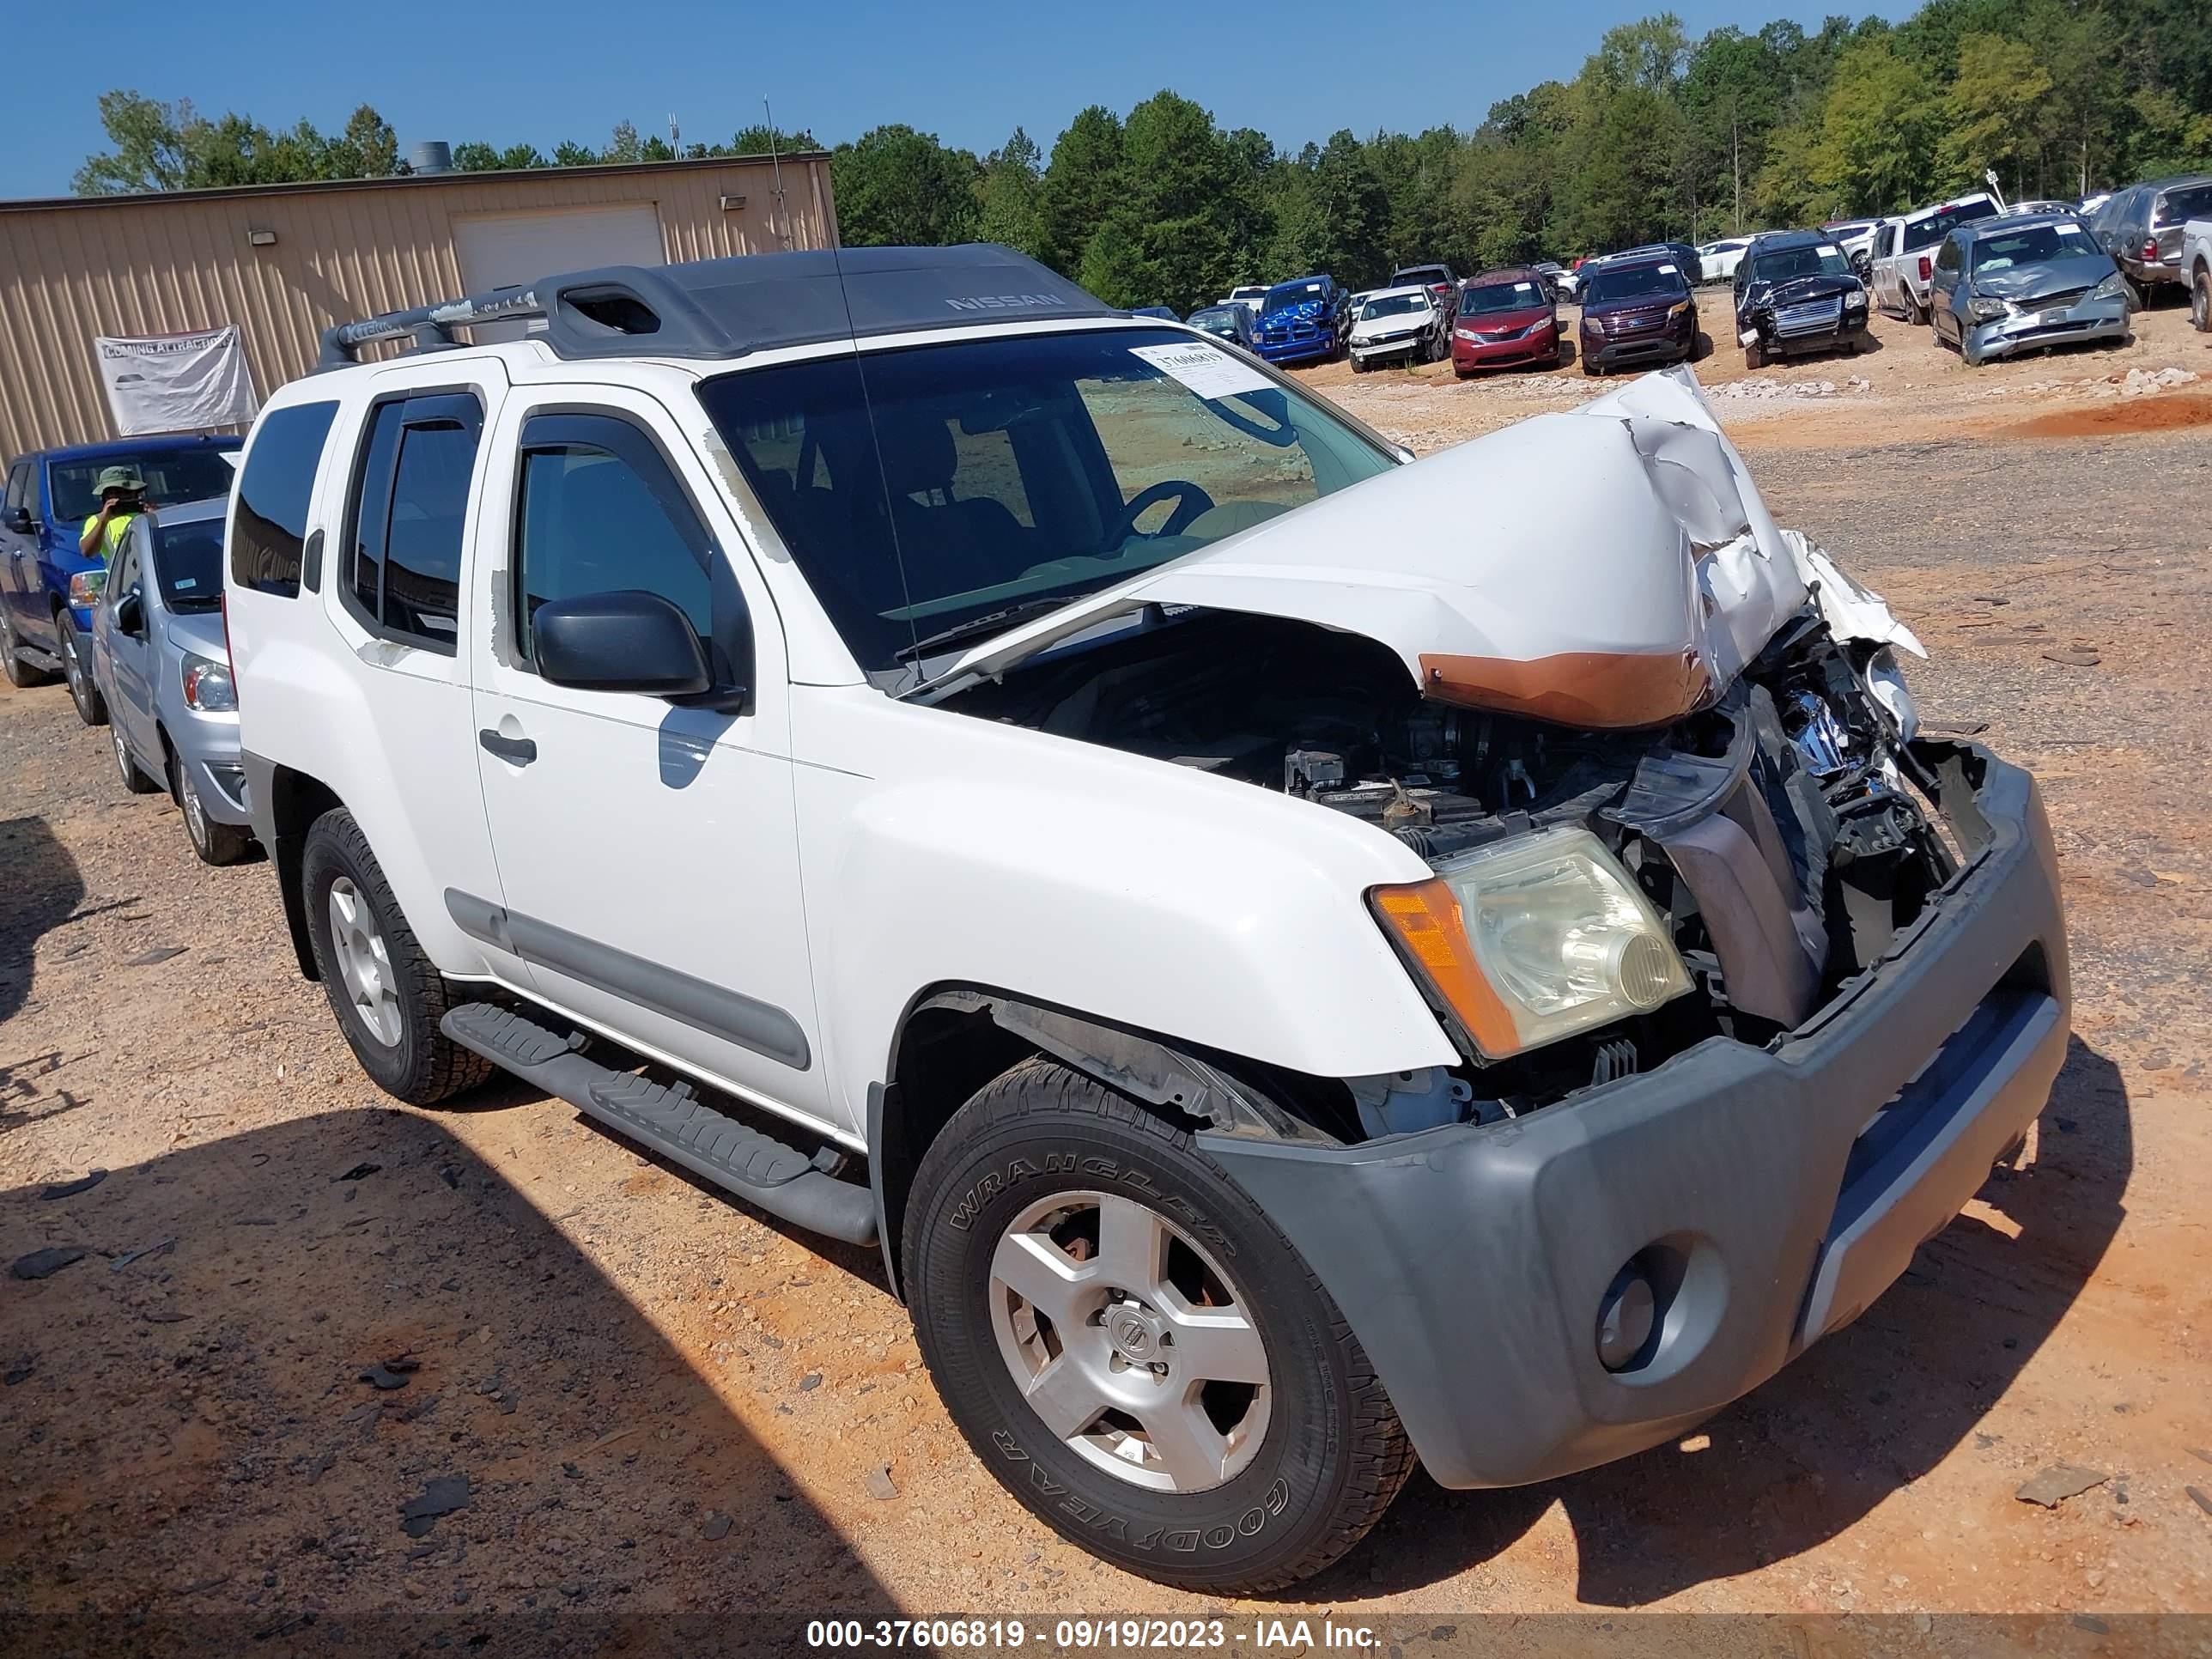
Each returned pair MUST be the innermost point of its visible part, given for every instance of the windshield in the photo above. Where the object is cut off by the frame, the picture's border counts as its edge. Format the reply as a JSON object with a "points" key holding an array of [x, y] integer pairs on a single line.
{"points": [[2031, 246], [1430, 276], [919, 491], [1926, 232], [1294, 294], [1635, 282], [1788, 263], [1394, 305], [1500, 296], [188, 562], [2181, 203], [171, 476]]}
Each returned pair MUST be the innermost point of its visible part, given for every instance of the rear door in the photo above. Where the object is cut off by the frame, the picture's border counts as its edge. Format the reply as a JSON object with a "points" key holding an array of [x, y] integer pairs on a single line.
{"points": [[648, 852]]}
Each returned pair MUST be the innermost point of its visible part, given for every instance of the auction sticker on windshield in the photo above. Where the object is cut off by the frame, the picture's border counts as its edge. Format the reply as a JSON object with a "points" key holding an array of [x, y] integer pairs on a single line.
{"points": [[1208, 373]]}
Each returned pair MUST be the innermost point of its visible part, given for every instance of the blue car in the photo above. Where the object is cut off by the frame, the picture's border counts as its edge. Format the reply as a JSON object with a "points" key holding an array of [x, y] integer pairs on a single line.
{"points": [[1303, 321], [47, 588]]}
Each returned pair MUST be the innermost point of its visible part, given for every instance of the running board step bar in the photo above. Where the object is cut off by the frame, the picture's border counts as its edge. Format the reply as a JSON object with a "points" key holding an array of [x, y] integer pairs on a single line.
{"points": [[673, 1122]]}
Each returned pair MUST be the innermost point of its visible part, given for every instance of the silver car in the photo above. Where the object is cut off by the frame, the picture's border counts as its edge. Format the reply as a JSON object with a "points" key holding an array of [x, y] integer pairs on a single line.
{"points": [[159, 656], [2008, 285]]}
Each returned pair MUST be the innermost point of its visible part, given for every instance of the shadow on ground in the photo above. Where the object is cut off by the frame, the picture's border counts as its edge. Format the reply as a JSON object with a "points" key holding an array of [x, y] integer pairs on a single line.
{"points": [[1856, 1419], [40, 888], [196, 1463]]}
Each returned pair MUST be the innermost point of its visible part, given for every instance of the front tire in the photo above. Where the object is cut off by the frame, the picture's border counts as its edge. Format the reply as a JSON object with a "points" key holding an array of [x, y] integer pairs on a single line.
{"points": [[2200, 303], [387, 994], [91, 707], [216, 844], [1134, 1350]]}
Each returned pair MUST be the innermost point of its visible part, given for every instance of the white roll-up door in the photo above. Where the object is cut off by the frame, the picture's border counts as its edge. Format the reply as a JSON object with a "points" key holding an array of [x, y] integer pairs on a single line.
{"points": [[509, 250]]}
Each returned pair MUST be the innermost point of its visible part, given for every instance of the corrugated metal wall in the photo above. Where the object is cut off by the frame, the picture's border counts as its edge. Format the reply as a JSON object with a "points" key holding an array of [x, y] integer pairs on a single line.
{"points": [[163, 264]]}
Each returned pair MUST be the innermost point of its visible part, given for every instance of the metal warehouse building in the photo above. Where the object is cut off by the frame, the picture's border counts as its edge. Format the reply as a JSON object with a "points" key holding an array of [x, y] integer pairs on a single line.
{"points": [[284, 261]]}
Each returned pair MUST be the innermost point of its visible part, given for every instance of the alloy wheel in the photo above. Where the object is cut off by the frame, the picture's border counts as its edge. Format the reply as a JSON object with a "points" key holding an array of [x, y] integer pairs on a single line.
{"points": [[1129, 1341], [73, 668], [188, 794], [364, 963]]}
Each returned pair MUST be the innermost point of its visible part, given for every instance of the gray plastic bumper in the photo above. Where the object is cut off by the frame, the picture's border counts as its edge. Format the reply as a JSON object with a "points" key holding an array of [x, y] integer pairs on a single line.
{"points": [[1472, 1261]]}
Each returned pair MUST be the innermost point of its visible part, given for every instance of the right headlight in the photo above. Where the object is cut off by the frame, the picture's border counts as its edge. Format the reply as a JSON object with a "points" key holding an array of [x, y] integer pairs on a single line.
{"points": [[1533, 938]]}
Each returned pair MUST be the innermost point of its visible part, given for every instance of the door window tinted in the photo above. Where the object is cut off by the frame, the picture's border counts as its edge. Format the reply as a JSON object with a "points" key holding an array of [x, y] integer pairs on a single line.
{"points": [[19, 487], [408, 513], [273, 491], [601, 512], [127, 574]]}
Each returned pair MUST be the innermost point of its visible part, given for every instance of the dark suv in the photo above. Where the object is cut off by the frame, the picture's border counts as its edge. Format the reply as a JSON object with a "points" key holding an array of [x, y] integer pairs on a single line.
{"points": [[2140, 227], [1637, 313], [1796, 291]]}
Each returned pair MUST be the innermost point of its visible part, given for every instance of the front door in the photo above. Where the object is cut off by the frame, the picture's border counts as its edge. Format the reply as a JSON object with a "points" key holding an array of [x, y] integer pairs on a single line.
{"points": [[648, 852], [18, 547], [129, 655]]}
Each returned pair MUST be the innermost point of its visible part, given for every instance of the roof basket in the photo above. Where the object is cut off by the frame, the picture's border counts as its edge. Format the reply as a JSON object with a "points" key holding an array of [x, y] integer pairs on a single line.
{"points": [[722, 309]]}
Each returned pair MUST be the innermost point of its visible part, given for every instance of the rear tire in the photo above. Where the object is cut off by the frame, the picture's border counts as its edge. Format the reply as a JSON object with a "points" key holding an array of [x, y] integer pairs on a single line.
{"points": [[19, 673], [216, 844], [387, 994], [1242, 1486], [2200, 303], [91, 707], [134, 780]]}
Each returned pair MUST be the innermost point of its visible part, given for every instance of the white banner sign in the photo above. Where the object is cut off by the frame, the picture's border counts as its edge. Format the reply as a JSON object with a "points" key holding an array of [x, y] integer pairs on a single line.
{"points": [[177, 382]]}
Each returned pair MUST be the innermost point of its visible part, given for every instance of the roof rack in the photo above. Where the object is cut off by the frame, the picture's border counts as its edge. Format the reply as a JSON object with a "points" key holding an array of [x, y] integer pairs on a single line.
{"points": [[724, 309]]}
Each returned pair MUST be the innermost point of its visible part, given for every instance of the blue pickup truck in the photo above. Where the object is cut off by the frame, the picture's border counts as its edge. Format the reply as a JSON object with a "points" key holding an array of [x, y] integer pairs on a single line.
{"points": [[46, 586], [1303, 321]]}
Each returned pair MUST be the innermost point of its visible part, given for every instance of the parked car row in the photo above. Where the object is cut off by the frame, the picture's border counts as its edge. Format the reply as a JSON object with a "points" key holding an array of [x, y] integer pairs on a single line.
{"points": [[135, 629]]}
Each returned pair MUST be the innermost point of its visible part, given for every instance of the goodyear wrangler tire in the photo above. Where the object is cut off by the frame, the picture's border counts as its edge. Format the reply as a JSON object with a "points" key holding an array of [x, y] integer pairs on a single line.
{"points": [[387, 992], [1132, 1347]]}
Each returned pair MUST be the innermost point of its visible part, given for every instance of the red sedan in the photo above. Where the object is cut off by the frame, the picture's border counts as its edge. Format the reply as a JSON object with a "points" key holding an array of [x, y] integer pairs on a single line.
{"points": [[1505, 317]]}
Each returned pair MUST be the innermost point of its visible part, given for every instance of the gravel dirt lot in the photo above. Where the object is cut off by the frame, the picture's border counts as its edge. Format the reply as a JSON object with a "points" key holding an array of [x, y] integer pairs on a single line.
{"points": [[630, 1397]]}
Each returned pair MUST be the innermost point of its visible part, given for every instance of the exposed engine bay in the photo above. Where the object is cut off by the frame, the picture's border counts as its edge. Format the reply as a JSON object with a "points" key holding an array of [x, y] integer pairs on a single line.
{"points": [[1784, 833]]}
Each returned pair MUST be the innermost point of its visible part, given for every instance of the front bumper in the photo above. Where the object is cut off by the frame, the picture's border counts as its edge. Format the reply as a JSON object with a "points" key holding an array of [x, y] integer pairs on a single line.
{"points": [[1380, 351], [1298, 351], [1497, 354], [1472, 1259], [1660, 346], [2087, 322], [1851, 332]]}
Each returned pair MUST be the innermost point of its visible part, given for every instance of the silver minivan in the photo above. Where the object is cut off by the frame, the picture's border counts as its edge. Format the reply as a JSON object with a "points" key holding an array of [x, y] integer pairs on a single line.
{"points": [[159, 658]]}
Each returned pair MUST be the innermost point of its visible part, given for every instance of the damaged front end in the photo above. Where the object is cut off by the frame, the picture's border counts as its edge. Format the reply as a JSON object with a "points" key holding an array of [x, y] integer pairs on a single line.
{"points": [[1668, 780]]}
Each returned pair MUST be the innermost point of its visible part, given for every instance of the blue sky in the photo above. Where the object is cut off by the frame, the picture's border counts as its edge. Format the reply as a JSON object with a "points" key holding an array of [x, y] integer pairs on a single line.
{"points": [[969, 70]]}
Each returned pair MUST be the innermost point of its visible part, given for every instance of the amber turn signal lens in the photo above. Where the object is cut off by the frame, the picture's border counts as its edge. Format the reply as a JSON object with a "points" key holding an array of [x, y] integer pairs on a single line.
{"points": [[1424, 917]]}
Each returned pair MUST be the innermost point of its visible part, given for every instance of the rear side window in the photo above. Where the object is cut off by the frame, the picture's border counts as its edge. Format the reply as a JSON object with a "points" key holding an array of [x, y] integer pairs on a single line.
{"points": [[402, 571], [273, 490]]}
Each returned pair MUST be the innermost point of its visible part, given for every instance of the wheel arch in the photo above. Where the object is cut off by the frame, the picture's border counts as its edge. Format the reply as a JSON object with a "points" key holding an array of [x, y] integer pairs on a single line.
{"points": [[953, 1039], [296, 800]]}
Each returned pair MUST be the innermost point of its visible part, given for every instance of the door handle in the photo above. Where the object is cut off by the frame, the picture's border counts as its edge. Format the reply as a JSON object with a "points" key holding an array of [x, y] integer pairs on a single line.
{"points": [[521, 751]]}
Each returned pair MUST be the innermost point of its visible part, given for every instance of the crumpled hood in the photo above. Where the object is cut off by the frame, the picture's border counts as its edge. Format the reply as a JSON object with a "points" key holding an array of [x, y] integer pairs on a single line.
{"points": [[2025, 284], [1629, 595], [1305, 311], [1411, 322]]}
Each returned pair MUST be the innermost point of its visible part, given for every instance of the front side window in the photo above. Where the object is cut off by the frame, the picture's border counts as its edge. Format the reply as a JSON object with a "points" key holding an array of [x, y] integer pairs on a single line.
{"points": [[19, 489], [921, 491], [410, 508], [273, 492], [600, 513]]}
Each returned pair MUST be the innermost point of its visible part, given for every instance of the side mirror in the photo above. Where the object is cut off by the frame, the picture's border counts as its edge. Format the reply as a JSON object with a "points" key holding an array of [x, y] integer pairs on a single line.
{"points": [[19, 521], [131, 613], [628, 640]]}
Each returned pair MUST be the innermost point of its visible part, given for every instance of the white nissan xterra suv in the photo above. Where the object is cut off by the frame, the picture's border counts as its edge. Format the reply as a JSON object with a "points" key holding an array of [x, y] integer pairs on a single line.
{"points": [[1301, 960]]}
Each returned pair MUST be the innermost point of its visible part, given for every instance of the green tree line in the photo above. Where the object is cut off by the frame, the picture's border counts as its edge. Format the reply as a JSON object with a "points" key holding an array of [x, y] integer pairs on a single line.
{"points": [[1660, 135]]}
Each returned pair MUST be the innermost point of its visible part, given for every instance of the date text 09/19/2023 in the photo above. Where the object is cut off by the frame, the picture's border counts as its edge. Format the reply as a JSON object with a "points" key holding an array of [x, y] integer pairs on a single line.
{"points": [[1090, 1635]]}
